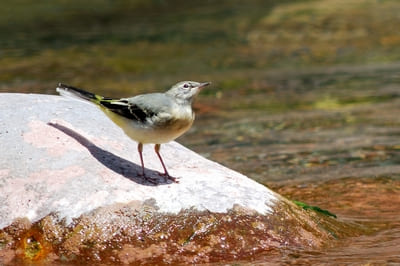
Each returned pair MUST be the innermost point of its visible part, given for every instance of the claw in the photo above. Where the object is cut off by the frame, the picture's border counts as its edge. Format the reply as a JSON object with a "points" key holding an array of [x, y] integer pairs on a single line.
{"points": [[168, 177]]}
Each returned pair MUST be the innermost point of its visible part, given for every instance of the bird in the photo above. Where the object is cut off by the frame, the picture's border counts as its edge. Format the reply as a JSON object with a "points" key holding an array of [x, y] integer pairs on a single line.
{"points": [[151, 118]]}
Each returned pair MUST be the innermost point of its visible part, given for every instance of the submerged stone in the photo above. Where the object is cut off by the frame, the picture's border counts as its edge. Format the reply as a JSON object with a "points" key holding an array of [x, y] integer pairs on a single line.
{"points": [[71, 190]]}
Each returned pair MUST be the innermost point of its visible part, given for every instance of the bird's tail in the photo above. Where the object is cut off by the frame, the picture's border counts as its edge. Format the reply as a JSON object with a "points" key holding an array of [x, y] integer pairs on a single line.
{"points": [[69, 91]]}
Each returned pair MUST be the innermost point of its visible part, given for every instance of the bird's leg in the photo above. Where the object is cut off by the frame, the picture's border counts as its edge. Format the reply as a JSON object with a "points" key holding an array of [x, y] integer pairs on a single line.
{"points": [[167, 176], [140, 150], [157, 149]]}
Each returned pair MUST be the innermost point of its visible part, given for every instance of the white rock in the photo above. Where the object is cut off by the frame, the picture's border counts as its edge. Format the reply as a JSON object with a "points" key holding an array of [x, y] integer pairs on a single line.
{"points": [[66, 157]]}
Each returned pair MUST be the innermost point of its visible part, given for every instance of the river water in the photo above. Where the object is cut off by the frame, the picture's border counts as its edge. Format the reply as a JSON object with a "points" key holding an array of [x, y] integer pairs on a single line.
{"points": [[343, 156]]}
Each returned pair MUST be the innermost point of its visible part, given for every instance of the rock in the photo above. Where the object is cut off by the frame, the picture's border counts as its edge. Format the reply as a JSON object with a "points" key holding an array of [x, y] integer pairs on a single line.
{"points": [[70, 190]]}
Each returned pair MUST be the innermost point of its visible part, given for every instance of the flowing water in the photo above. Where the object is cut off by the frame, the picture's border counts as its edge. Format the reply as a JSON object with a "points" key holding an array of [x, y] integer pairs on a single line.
{"points": [[304, 100], [343, 156]]}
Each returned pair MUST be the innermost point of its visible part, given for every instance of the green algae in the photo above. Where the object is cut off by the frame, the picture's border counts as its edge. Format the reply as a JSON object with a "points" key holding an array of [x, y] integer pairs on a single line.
{"points": [[32, 248], [317, 209]]}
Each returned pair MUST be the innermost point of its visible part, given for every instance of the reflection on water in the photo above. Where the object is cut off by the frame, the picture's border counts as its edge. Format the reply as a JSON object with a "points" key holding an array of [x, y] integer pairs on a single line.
{"points": [[305, 100]]}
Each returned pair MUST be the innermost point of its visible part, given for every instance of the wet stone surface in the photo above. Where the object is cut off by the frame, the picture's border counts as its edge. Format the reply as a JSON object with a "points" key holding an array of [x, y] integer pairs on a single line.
{"points": [[124, 234]]}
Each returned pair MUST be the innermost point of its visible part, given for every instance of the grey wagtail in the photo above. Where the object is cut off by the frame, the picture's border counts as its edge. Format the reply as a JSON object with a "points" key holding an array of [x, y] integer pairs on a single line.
{"points": [[148, 118]]}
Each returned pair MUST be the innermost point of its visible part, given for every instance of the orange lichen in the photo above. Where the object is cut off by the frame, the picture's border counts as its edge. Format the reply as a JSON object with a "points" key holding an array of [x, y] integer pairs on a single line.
{"points": [[33, 246]]}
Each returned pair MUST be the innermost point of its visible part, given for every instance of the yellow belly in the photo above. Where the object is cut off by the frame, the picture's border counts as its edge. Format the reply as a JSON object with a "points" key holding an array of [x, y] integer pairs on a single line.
{"points": [[156, 134]]}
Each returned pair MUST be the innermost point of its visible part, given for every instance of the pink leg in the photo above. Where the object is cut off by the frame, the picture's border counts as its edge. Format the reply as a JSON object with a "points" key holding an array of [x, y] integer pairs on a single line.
{"points": [[140, 150], [157, 150]]}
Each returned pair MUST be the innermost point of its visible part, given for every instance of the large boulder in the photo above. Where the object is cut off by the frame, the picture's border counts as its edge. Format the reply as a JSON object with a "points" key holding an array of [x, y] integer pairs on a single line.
{"points": [[70, 189]]}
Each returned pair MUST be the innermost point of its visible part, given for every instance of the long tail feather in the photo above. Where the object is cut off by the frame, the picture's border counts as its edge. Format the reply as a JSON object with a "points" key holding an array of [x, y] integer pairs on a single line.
{"points": [[69, 91]]}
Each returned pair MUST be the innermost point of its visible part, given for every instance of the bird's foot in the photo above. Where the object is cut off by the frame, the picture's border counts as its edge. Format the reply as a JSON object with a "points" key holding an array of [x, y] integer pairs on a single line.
{"points": [[168, 177]]}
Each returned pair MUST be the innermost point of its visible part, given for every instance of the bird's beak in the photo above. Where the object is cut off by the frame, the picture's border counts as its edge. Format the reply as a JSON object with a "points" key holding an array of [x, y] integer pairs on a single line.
{"points": [[202, 85]]}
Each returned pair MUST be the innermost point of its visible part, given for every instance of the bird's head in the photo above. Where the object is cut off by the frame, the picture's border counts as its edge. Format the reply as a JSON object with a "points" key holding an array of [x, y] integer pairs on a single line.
{"points": [[185, 91]]}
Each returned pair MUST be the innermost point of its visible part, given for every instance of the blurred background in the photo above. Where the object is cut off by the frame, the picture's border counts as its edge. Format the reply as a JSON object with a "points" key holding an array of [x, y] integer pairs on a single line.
{"points": [[305, 95]]}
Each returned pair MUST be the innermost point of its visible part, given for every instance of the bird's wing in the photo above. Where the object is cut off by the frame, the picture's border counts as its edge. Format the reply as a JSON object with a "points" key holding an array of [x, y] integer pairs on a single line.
{"points": [[141, 108]]}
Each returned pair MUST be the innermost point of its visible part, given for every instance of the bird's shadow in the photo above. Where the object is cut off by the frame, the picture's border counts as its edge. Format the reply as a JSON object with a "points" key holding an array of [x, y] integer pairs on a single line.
{"points": [[115, 163]]}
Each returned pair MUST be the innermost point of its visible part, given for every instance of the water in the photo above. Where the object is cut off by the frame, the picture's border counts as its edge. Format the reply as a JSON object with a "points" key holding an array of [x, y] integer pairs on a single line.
{"points": [[303, 99], [342, 156], [372, 203]]}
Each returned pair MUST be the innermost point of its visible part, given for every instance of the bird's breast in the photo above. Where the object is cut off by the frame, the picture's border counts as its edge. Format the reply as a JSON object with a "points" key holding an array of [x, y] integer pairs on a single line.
{"points": [[160, 128]]}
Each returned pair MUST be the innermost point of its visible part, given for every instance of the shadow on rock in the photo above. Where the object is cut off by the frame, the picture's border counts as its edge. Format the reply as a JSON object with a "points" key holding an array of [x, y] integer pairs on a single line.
{"points": [[115, 163]]}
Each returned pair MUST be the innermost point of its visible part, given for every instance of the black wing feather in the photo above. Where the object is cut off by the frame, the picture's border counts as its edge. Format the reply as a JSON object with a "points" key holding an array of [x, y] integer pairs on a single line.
{"points": [[128, 110]]}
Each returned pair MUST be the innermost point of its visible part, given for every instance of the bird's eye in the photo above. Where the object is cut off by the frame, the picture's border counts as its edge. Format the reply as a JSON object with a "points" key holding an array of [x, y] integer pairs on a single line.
{"points": [[186, 85]]}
